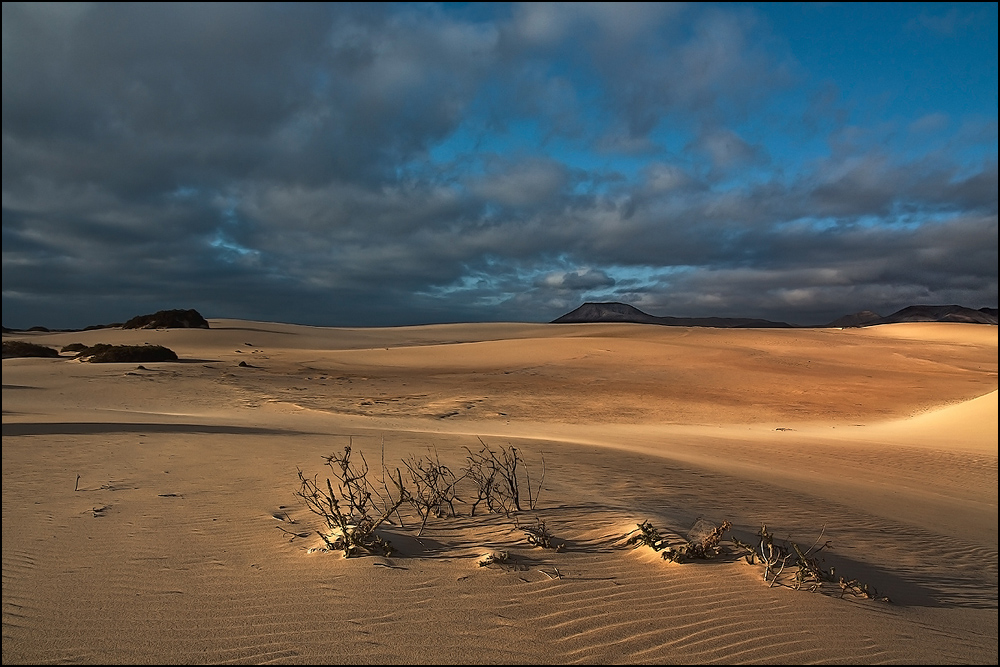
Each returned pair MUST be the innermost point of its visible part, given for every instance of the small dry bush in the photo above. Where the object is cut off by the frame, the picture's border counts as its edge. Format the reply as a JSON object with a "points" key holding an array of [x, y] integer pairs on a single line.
{"points": [[354, 503], [19, 348], [73, 347], [502, 558], [497, 474], [774, 557], [433, 487], [704, 541], [496, 558], [645, 535], [809, 573], [538, 535], [353, 509]]}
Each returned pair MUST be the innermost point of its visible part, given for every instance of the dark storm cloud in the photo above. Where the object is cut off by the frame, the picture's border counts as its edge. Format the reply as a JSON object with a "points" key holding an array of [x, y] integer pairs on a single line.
{"points": [[370, 164], [206, 95]]}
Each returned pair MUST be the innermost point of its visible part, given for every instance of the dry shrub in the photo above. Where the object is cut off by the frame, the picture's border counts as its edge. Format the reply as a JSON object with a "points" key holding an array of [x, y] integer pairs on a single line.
{"points": [[539, 536], [353, 503], [350, 511], [774, 557], [433, 487], [704, 541], [503, 559], [645, 535], [497, 475], [809, 573]]}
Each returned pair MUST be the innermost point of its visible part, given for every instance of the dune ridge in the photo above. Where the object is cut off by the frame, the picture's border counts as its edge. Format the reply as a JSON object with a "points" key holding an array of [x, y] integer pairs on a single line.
{"points": [[885, 436]]}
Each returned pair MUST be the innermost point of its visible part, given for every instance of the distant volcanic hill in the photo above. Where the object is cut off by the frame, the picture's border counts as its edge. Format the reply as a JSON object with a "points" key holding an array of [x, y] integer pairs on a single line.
{"points": [[860, 319], [941, 314], [591, 312], [919, 314]]}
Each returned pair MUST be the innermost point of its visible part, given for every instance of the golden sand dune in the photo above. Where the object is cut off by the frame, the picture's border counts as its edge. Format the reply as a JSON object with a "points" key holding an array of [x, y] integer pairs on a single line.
{"points": [[167, 548]]}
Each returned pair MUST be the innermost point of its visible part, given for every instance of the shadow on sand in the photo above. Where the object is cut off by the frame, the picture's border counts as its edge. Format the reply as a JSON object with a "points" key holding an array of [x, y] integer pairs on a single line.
{"points": [[97, 428]]}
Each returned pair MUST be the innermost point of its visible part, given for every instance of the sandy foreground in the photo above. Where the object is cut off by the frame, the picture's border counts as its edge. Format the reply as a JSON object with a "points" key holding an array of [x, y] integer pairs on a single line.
{"points": [[178, 545]]}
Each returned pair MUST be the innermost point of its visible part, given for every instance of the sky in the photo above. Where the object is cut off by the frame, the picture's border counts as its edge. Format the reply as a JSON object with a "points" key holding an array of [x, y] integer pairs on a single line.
{"points": [[396, 164]]}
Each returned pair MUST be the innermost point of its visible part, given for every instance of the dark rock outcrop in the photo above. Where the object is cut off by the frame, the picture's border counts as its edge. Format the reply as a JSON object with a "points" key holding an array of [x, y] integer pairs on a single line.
{"points": [[168, 319], [19, 348], [102, 353]]}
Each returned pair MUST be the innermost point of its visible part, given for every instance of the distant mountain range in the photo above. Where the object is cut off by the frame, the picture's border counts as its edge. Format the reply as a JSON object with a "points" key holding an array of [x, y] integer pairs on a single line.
{"points": [[623, 312], [919, 314]]}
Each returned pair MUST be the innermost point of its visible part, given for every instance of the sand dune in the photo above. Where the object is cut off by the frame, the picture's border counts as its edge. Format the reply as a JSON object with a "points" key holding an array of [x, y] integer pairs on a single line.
{"points": [[169, 551]]}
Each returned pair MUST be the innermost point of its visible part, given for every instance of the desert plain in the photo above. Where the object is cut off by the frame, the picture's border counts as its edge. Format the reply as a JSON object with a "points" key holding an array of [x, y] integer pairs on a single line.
{"points": [[149, 513]]}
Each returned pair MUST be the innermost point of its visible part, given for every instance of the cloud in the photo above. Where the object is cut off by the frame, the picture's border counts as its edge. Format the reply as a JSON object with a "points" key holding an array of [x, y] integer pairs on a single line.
{"points": [[662, 177], [207, 95], [533, 182], [368, 164], [946, 24], [932, 122], [726, 149], [579, 280]]}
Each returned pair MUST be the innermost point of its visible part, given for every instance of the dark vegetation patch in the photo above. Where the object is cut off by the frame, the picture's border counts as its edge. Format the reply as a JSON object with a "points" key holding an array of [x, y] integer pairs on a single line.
{"points": [[18, 348], [73, 347], [103, 353], [168, 319]]}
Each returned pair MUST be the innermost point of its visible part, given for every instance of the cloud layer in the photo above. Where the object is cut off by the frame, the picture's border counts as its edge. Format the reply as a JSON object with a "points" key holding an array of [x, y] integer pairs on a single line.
{"points": [[379, 165]]}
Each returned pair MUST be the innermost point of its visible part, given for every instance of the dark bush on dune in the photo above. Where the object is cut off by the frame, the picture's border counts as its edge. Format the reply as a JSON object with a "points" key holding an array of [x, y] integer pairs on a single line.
{"points": [[103, 353], [168, 319], [73, 347], [18, 348]]}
